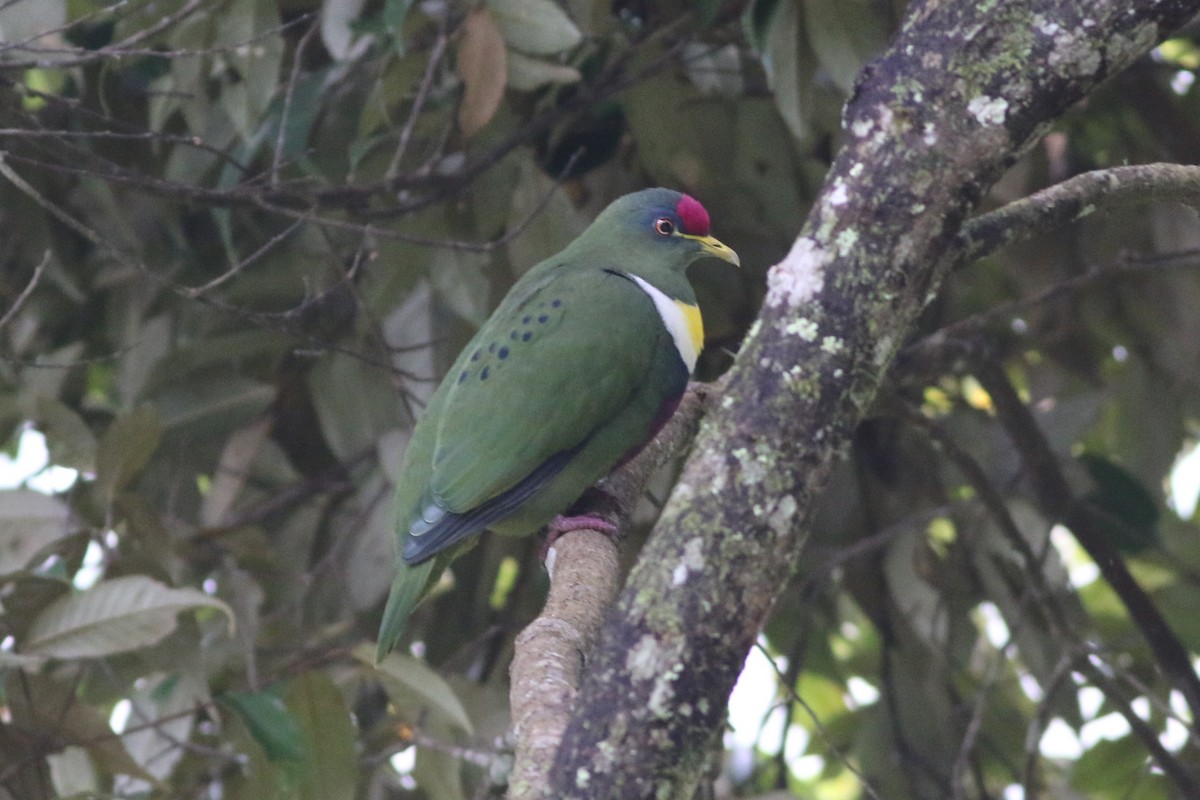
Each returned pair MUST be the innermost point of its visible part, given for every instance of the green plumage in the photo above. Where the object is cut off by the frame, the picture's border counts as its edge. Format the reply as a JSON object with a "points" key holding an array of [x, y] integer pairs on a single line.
{"points": [[572, 373]]}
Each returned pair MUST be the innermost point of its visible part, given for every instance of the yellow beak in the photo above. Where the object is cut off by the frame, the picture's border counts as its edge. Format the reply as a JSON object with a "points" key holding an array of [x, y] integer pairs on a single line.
{"points": [[715, 247]]}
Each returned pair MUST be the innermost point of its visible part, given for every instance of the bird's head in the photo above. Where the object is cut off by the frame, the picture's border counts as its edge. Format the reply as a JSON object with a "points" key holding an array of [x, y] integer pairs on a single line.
{"points": [[660, 227]]}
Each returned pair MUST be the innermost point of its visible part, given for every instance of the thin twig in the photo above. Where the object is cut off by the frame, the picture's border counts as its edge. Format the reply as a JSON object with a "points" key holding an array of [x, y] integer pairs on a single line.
{"points": [[841, 757], [289, 93], [270, 244], [28, 290], [435, 57]]}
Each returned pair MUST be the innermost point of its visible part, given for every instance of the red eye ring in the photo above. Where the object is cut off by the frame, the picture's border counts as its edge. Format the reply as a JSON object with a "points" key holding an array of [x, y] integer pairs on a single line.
{"points": [[664, 226]]}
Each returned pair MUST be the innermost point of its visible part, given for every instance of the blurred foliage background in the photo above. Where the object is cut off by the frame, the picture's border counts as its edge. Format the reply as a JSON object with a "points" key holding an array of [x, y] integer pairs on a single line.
{"points": [[240, 239]]}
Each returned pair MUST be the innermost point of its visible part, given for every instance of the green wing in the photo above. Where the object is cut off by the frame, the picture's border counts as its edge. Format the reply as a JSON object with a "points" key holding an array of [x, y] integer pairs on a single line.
{"points": [[541, 376]]}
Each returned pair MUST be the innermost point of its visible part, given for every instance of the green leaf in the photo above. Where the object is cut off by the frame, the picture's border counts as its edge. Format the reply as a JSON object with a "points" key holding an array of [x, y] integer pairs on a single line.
{"points": [[269, 722], [1109, 768], [114, 616], [125, 448], [526, 73], [55, 367], [412, 685], [706, 11], [33, 25], [354, 402], [211, 405], [330, 772], [29, 521], [394, 14], [457, 278], [247, 92], [538, 27], [790, 68], [1122, 496], [18, 661], [71, 772], [371, 556], [439, 775], [69, 440], [556, 222], [230, 476], [845, 34], [757, 20]]}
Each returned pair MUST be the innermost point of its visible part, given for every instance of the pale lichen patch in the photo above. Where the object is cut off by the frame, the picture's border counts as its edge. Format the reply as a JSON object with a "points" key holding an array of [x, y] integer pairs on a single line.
{"points": [[1045, 26], [664, 691], [693, 560], [751, 467], [1073, 54], [781, 517], [883, 350], [799, 276], [805, 328], [660, 698], [644, 659], [987, 110], [1125, 49], [846, 240], [840, 195]]}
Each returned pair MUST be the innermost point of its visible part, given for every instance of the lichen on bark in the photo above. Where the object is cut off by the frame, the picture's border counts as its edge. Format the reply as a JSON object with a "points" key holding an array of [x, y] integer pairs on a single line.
{"points": [[955, 99]]}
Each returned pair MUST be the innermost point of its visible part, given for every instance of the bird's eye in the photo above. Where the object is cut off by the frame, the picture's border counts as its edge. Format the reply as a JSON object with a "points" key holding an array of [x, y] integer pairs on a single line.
{"points": [[664, 226]]}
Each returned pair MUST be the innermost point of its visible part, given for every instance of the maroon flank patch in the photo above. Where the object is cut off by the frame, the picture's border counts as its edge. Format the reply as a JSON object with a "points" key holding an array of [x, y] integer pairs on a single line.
{"points": [[692, 216]]}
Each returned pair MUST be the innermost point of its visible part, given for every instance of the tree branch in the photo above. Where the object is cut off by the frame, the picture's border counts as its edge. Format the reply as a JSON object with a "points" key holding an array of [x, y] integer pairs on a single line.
{"points": [[933, 123], [1074, 199], [550, 652]]}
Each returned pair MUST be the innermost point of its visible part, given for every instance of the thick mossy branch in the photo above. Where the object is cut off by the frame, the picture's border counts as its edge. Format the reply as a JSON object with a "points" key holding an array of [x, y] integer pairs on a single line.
{"points": [[962, 92]]}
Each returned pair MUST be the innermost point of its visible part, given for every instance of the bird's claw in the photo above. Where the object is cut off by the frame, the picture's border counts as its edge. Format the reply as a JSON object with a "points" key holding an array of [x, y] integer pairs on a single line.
{"points": [[577, 522]]}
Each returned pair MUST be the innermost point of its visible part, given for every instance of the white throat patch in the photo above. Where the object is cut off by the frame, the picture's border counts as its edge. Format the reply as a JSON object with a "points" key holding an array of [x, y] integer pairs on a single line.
{"points": [[676, 322]]}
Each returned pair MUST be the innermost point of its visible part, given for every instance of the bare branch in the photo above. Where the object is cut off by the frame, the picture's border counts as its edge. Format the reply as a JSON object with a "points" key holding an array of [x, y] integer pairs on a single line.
{"points": [[1074, 199], [270, 244], [27, 291], [289, 93], [435, 58], [549, 654], [932, 354]]}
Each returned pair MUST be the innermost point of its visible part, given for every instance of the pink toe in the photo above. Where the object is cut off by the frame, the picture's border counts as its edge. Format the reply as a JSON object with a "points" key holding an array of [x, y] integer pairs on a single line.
{"points": [[561, 524]]}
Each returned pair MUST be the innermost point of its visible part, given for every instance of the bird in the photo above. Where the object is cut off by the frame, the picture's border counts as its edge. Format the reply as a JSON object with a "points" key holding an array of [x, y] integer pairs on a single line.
{"points": [[583, 361]]}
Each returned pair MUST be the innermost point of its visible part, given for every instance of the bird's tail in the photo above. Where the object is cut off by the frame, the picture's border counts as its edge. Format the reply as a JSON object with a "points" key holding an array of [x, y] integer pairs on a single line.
{"points": [[407, 590]]}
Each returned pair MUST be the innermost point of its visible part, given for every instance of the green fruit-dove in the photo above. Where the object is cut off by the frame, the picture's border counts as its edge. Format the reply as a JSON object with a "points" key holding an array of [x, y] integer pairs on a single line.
{"points": [[582, 363]]}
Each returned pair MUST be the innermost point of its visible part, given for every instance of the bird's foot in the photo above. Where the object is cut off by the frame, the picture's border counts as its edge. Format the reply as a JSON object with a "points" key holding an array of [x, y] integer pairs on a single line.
{"points": [[583, 522], [575, 522]]}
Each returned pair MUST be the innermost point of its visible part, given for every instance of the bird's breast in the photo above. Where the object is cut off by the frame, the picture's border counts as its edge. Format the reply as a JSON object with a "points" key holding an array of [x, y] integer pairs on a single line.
{"points": [[682, 321]]}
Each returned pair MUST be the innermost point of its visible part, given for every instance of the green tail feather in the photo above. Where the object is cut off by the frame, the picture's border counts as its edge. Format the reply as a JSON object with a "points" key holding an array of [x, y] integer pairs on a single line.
{"points": [[407, 590]]}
